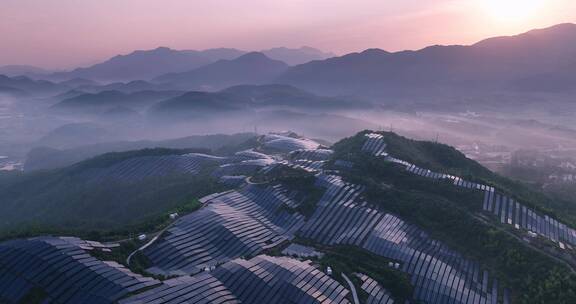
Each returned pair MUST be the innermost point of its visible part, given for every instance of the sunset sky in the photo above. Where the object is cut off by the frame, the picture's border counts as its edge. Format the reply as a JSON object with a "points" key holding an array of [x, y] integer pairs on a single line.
{"points": [[68, 33]]}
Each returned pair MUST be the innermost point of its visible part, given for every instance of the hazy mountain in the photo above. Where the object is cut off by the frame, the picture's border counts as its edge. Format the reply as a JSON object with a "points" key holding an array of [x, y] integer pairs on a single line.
{"points": [[297, 56], [251, 68], [148, 64], [9, 91], [563, 79], [22, 70], [277, 95], [29, 86], [251, 97], [493, 63], [126, 87], [106, 100], [74, 134], [80, 82], [193, 104]]}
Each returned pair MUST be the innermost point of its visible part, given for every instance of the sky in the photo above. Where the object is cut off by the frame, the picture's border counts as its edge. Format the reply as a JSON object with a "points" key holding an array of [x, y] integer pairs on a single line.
{"points": [[62, 34]]}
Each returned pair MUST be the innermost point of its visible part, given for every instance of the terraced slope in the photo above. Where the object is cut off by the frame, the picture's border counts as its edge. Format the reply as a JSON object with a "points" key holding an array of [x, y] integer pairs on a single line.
{"points": [[217, 252], [438, 273], [341, 217], [231, 225]]}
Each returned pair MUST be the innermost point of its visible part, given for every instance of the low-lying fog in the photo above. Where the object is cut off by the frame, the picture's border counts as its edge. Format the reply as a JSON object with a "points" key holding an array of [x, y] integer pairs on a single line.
{"points": [[484, 133]]}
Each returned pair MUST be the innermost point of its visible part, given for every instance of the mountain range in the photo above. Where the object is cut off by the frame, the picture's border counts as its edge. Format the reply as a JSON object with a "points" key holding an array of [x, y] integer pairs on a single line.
{"points": [[250, 97], [106, 100], [147, 64], [495, 63], [23, 70], [539, 60], [251, 68]]}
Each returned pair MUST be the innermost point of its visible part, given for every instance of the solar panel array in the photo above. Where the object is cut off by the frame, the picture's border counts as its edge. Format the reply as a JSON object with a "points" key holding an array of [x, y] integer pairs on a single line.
{"points": [[64, 272], [376, 293], [439, 275], [238, 224], [245, 167], [286, 144], [375, 144], [234, 224], [262, 279], [339, 218], [506, 209], [511, 212], [250, 154], [142, 167], [233, 180], [312, 154]]}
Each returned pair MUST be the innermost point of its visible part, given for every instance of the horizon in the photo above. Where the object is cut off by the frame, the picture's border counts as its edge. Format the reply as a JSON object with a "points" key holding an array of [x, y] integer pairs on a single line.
{"points": [[77, 34]]}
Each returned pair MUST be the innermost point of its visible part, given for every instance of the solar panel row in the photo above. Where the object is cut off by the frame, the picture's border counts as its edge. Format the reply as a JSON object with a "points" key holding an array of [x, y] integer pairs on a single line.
{"points": [[262, 279], [511, 212], [238, 223], [339, 217], [376, 293], [138, 168], [311, 154], [507, 210], [65, 272], [438, 274], [375, 144]]}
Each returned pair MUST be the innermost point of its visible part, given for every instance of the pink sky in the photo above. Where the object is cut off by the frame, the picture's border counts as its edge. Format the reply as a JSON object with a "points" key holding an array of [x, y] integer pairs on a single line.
{"points": [[69, 33]]}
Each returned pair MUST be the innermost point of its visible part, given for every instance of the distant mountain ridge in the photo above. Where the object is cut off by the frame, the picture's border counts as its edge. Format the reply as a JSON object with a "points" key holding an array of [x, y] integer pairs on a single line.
{"points": [[22, 70], [148, 64], [297, 56], [144, 65], [107, 100], [251, 68], [246, 98], [494, 63]]}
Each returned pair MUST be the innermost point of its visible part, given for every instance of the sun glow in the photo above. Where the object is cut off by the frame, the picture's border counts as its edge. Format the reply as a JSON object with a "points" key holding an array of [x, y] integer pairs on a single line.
{"points": [[512, 10]]}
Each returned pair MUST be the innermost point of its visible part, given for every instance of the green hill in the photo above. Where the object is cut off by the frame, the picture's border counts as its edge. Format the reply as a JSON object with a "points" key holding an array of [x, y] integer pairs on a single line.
{"points": [[536, 271], [89, 196]]}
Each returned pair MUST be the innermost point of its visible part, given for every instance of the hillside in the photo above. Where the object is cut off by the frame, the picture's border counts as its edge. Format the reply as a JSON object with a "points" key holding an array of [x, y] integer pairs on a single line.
{"points": [[42, 158], [405, 219], [98, 195]]}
